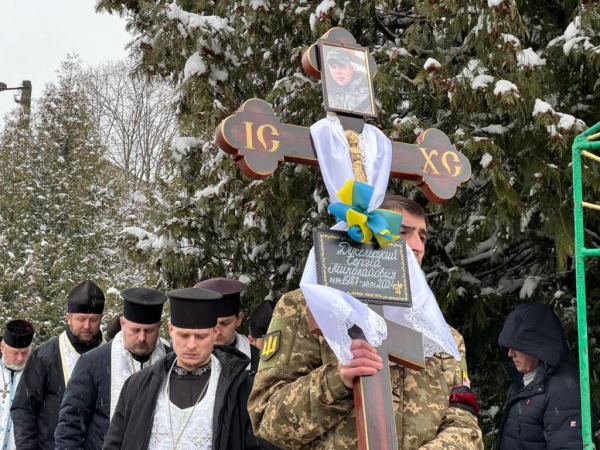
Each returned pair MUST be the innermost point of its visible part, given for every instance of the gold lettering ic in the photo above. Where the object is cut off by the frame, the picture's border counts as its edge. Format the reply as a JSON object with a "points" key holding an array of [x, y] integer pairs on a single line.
{"points": [[249, 143], [270, 345], [428, 161], [261, 137], [454, 159]]}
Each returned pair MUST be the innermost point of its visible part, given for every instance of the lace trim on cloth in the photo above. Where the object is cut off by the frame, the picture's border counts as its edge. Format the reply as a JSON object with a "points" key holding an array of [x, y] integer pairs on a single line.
{"points": [[369, 154], [433, 340], [341, 313]]}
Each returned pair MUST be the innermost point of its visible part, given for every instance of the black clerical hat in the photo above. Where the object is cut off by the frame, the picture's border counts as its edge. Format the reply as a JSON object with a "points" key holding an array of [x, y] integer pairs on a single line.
{"points": [[143, 305], [113, 327], [86, 298], [229, 305], [260, 319], [194, 308], [18, 334]]}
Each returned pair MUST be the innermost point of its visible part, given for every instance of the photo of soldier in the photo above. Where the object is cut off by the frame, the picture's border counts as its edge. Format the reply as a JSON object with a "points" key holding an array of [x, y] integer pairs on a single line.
{"points": [[348, 86]]}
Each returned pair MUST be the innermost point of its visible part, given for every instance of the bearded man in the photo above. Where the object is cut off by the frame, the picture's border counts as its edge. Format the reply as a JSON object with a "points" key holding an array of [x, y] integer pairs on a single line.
{"points": [[92, 394], [48, 369], [16, 348]]}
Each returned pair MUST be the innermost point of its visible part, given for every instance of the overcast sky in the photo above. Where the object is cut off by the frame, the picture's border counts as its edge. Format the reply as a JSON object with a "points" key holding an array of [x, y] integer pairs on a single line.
{"points": [[36, 35]]}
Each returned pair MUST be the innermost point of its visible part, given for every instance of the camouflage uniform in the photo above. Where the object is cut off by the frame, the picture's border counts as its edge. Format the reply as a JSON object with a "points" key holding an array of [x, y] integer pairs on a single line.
{"points": [[354, 96], [300, 402]]}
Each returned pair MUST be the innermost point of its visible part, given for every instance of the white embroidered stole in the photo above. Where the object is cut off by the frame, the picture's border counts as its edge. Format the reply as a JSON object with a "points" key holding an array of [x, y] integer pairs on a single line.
{"points": [[8, 388], [68, 356], [197, 433], [121, 367], [243, 345]]}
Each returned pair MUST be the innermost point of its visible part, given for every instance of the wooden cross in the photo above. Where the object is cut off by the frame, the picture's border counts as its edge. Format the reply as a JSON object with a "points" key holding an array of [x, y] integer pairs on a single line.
{"points": [[259, 142]]}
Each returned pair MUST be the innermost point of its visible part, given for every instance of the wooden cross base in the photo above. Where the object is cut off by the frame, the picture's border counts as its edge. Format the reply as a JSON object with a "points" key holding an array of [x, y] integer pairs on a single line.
{"points": [[374, 407]]}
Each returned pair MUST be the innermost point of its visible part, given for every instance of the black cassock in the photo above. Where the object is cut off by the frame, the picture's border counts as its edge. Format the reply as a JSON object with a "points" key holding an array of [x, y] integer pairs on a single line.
{"points": [[39, 394], [131, 425]]}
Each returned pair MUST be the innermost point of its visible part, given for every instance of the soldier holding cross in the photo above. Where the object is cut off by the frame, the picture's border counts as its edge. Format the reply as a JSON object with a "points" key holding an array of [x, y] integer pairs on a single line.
{"points": [[303, 399]]}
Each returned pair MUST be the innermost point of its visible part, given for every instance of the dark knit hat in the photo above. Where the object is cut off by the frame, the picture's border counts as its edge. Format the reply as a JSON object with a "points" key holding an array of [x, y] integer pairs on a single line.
{"points": [[194, 308], [86, 298], [260, 319], [18, 333], [142, 305], [229, 305]]}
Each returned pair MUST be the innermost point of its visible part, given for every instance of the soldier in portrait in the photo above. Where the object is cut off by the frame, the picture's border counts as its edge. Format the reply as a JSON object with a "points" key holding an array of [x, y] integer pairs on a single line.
{"points": [[303, 397], [347, 87]]}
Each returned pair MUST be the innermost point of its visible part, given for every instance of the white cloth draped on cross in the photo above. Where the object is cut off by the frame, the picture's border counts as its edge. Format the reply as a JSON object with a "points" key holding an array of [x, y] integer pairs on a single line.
{"points": [[335, 311]]}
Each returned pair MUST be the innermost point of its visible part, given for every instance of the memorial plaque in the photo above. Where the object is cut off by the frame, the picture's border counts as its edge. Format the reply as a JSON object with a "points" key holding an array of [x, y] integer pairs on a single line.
{"points": [[374, 275]]}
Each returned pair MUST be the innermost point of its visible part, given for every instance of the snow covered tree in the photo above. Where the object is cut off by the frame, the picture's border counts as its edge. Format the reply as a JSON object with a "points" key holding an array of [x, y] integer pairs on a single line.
{"points": [[511, 82], [60, 204]]}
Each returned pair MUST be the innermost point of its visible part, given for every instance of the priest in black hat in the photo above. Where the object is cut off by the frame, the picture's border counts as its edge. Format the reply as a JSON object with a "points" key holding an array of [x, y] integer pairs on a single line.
{"points": [[259, 320], [230, 317], [195, 397], [48, 369], [93, 391], [16, 347]]}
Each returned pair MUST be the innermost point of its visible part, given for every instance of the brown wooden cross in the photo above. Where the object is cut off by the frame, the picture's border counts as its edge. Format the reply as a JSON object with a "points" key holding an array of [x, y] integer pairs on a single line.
{"points": [[259, 142]]}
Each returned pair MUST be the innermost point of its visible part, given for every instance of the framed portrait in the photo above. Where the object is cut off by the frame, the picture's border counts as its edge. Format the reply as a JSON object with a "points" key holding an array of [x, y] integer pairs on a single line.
{"points": [[347, 81]]}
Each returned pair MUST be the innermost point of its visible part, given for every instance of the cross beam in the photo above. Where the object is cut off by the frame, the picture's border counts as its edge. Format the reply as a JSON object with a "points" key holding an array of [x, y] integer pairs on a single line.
{"points": [[259, 142]]}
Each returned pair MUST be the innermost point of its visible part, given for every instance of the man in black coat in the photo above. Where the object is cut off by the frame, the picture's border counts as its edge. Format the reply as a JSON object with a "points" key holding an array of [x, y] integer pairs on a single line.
{"points": [[543, 407], [48, 370], [195, 397], [93, 391]]}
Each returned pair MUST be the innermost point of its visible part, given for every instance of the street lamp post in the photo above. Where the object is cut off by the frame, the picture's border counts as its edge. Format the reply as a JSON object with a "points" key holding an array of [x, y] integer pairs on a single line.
{"points": [[24, 99]]}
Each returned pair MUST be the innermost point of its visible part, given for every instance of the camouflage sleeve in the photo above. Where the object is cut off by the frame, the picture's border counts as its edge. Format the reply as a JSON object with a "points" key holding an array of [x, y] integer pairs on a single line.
{"points": [[459, 429], [298, 394]]}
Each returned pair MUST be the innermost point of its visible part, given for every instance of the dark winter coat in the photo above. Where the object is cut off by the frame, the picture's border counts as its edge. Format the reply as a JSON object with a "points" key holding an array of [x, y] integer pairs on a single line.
{"points": [[546, 414], [39, 394], [131, 426], [85, 412]]}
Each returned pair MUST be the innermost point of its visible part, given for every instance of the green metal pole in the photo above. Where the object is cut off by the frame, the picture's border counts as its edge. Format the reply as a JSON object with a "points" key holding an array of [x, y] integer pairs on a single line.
{"points": [[582, 143]]}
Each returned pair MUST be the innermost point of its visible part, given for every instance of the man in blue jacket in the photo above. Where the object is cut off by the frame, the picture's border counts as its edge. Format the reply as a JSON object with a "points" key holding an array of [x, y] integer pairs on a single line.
{"points": [[543, 407]]}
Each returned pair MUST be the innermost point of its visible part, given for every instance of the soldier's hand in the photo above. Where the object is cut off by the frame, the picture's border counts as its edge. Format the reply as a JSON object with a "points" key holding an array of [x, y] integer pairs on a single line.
{"points": [[365, 362]]}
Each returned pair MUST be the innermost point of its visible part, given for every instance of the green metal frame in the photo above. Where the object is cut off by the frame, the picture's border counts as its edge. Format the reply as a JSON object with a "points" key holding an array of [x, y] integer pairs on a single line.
{"points": [[587, 141]]}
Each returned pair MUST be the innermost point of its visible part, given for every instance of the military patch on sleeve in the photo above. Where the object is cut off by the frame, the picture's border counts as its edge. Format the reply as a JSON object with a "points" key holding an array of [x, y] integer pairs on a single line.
{"points": [[271, 344]]}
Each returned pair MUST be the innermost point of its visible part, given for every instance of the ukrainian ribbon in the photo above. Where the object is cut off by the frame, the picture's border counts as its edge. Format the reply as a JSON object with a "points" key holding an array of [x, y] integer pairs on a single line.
{"points": [[363, 225]]}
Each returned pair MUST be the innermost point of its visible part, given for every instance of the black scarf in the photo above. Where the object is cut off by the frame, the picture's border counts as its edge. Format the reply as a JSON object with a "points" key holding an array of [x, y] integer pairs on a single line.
{"points": [[82, 346]]}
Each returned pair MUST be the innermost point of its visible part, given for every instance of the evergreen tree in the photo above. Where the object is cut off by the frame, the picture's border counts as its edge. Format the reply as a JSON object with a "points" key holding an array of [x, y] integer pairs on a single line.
{"points": [[59, 208], [511, 82]]}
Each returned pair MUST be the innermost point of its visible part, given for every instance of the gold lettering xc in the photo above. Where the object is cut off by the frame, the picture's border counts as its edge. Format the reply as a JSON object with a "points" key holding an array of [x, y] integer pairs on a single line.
{"points": [[428, 161], [455, 159]]}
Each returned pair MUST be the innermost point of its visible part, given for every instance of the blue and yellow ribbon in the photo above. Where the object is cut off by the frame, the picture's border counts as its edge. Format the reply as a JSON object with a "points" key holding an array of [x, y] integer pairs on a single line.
{"points": [[352, 208]]}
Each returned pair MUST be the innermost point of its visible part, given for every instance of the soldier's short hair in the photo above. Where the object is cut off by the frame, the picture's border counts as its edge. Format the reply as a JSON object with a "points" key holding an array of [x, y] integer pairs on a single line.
{"points": [[395, 202]]}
